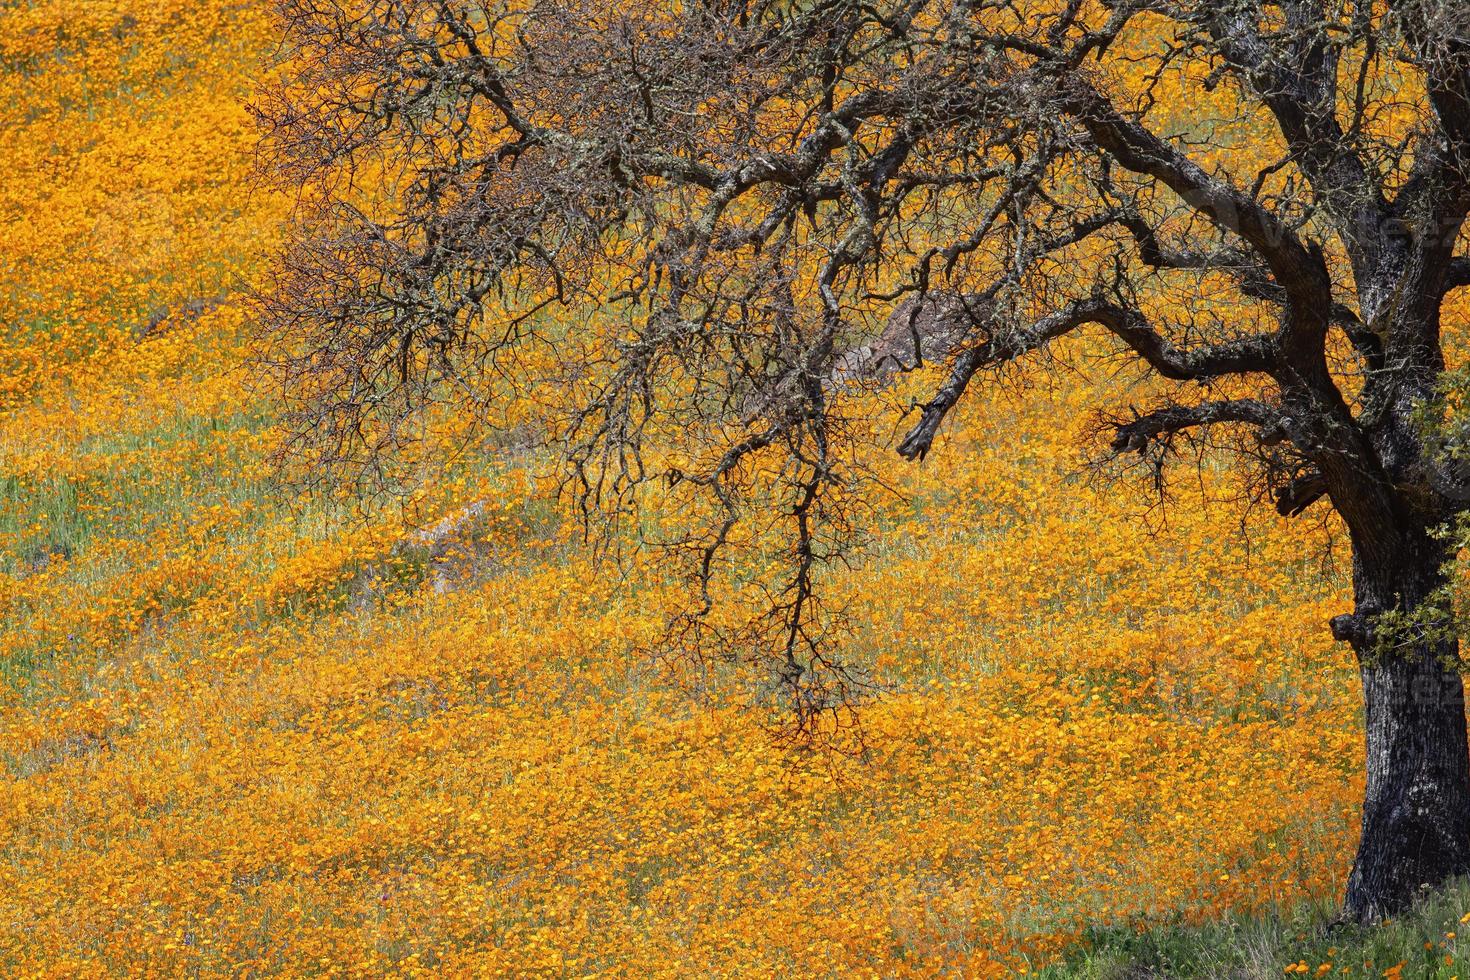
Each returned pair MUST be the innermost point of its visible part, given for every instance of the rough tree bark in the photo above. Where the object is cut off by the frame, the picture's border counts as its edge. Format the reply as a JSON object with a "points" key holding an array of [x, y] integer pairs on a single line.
{"points": [[1416, 808]]}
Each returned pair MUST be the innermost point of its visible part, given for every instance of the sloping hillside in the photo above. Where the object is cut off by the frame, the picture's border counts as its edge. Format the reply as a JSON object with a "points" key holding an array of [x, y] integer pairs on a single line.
{"points": [[242, 735]]}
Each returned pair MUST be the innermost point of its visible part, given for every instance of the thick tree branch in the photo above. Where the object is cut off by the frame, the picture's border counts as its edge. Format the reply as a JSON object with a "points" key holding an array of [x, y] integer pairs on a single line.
{"points": [[1254, 354], [1299, 493], [1135, 436], [1299, 270], [1297, 80]]}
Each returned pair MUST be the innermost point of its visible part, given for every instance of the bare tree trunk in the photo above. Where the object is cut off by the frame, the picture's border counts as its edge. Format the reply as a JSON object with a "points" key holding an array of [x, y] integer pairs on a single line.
{"points": [[1416, 808]]}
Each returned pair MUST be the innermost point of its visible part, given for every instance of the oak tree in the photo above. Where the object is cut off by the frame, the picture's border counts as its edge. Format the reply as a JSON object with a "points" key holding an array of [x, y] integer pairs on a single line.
{"points": [[1261, 202]]}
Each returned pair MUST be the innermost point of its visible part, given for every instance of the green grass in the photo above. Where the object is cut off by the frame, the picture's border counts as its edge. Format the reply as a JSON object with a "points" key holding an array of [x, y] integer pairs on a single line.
{"points": [[1286, 944]]}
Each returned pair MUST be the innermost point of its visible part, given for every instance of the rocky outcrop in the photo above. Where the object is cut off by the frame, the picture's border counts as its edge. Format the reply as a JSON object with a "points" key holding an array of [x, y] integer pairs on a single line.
{"points": [[168, 316], [918, 331], [452, 549]]}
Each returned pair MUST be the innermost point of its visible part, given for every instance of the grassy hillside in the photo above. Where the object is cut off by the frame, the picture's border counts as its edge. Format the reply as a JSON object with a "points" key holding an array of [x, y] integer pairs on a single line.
{"points": [[242, 735], [1423, 946]]}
